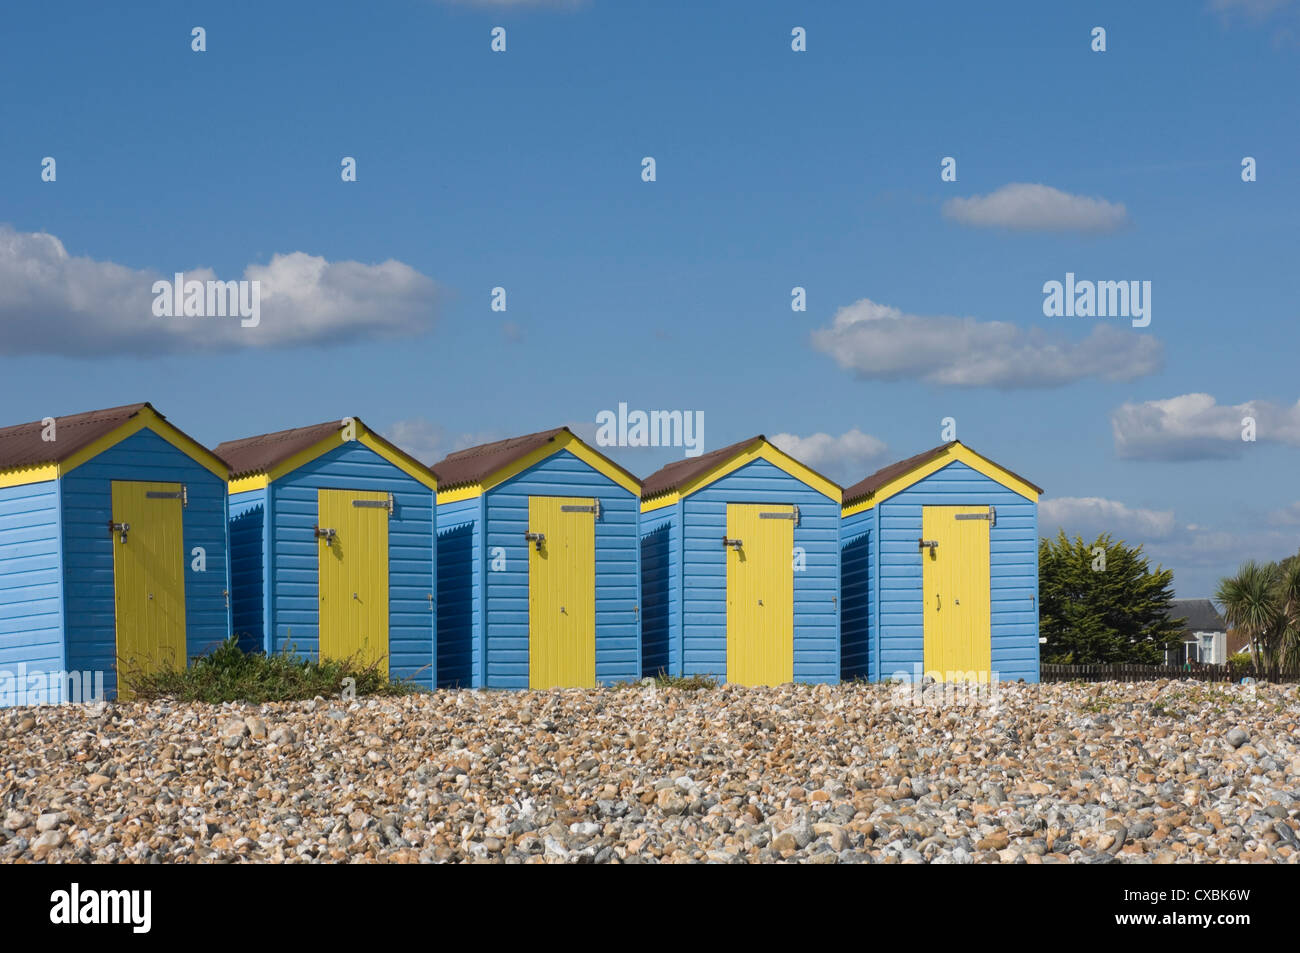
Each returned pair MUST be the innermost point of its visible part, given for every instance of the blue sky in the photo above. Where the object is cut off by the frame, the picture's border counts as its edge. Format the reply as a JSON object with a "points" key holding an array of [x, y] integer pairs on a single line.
{"points": [[775, 169]]}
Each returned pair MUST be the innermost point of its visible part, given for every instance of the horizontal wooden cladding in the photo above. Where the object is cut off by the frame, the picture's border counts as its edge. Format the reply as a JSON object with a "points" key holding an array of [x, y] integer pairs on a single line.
{"points": [[896, 619], [697, 586], [412, 550], [502, 629]]}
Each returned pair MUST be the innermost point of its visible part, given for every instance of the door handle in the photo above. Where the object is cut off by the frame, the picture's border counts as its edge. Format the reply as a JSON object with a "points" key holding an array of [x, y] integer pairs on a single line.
{"points": [[937, 606]]}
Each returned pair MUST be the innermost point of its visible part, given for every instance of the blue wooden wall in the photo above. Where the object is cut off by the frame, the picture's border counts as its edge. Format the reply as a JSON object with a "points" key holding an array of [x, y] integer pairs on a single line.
{"points": [[293, 557], [701, 635], [618, 558], [660, 598], [248, 569], [88, 549], [31, 585], [858, 559], [1013, 570], [460, 593]]}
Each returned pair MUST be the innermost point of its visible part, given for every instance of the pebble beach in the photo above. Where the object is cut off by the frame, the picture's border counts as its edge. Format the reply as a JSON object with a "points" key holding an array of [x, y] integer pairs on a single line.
{"points": [[1155, 772]]}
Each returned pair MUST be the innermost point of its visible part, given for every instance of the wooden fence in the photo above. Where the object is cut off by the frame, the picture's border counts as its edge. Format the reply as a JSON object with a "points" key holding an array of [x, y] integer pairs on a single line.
{"points": [[1146, 673]]}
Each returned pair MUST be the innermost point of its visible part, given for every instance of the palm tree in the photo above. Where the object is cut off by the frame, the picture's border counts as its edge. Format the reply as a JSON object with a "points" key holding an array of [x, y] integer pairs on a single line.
{"points": [[1263, 601], [1288, 591]]}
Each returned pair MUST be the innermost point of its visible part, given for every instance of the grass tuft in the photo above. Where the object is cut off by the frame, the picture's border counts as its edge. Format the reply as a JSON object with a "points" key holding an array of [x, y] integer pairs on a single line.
{"points": [[687, 683], [229, 674]]}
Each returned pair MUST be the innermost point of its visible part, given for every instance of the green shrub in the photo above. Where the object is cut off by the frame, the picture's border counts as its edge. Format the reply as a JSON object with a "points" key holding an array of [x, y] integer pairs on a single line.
{"points": [[1241, 662], [230, 674]]}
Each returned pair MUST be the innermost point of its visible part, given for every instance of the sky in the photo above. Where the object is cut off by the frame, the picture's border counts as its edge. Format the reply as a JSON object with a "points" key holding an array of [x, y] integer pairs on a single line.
{"points": [[821, 169]]}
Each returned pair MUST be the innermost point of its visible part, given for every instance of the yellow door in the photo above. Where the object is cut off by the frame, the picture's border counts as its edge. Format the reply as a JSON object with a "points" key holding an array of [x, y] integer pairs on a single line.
{"points": [[760, 593], [561, 592], [148, 576], [353, 575], [955, 586]]}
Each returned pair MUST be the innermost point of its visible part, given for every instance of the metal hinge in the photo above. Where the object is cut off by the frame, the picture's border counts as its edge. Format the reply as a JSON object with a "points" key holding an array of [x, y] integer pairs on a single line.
{"points": [[376, 504], [792, 515], [991, 516], [593, 508], [180, 494]]}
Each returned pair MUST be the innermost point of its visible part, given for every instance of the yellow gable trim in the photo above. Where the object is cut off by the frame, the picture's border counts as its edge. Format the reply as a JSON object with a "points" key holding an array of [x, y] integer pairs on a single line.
{"points": [[257, 481], [956, 453], [467, 492], [660, 501], [411, 468], [564, 441], [422, 475], [600, 464], [21, 476], [151, 420], [759, 450]]}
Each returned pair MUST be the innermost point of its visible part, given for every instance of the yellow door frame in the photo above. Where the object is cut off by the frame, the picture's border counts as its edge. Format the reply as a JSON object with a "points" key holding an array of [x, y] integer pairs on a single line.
{"points": [[352, 575], [760, 593], [562, 592], [956, 596], [148, 531]]}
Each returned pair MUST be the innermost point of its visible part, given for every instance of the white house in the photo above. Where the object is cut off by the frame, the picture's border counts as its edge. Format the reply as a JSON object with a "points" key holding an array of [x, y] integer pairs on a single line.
{"points": [[1205, 634]]}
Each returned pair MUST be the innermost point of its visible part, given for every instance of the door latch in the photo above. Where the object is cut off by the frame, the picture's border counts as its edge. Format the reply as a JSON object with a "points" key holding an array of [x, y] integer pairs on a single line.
{"points": [[733, 543], [536, 538], [328, 535], [933, 545], [122, 528]]}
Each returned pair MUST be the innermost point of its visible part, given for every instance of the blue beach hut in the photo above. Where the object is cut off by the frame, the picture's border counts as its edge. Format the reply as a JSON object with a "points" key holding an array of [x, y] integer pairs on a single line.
{"points": [[538, 565], [113, 552], [940, 570], [333, 541], [740, 568]]}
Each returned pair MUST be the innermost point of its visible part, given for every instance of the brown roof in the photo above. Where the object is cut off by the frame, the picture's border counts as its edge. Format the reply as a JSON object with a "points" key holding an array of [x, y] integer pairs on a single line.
{"points": [[476, 464], [680, 472], [22, 446], [866, 488], [261, 453], [265, 452]]}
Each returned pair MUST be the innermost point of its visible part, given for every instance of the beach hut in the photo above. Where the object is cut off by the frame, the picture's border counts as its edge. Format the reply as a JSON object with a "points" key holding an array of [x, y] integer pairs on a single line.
{"points": [[113, 552], [537, 565], [332, 534], [741, 568], [940, 564]]}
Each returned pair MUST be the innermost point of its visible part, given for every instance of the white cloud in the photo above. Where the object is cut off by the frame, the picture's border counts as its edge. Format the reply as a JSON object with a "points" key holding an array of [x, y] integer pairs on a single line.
{"points": [[1197, 427], [429, 442], [52, 302], [1286, 516], [846, 458], [1089, 516], [879, 342], [1200, 555], [1031, 207]]}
